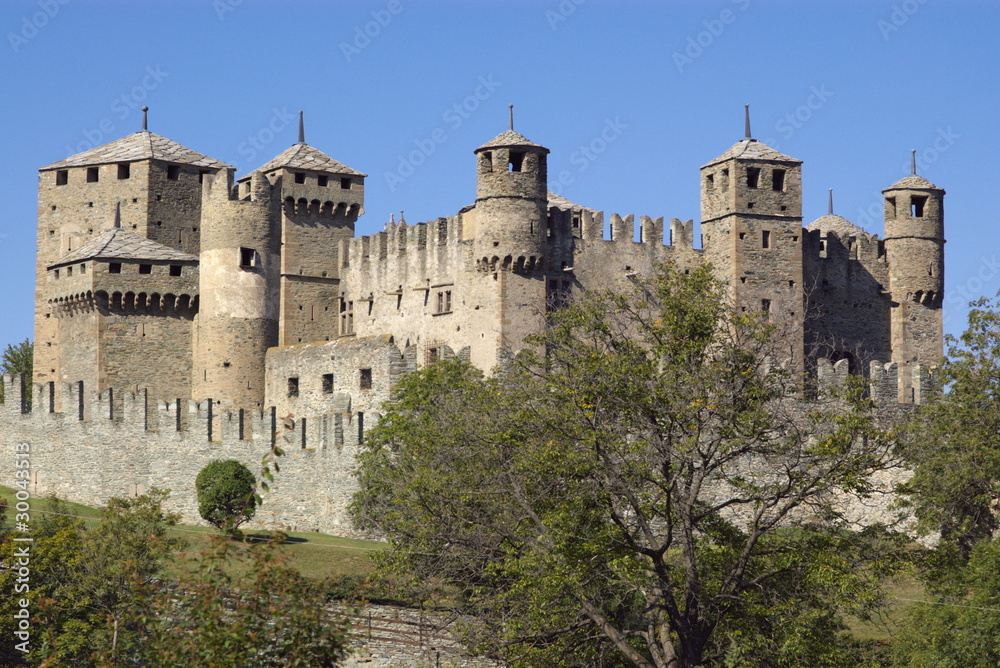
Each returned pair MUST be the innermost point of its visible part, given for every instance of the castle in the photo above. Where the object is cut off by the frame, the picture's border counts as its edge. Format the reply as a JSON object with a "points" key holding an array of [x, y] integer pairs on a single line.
{"points": [[183, 314]]}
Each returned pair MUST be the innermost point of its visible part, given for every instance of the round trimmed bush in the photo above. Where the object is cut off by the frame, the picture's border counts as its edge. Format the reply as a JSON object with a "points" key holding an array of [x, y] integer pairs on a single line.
{"points": [[226, 491]]}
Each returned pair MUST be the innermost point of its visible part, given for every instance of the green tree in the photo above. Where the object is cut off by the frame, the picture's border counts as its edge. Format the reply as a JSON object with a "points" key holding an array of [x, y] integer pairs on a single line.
{"points": [[18, 358], [266, 616], [644, 491], [954, 443], [226, 494], [82, 582]]}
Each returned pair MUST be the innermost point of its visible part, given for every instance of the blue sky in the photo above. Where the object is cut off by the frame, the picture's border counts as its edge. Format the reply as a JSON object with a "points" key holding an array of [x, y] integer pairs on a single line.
{"points": [[631, 98]]}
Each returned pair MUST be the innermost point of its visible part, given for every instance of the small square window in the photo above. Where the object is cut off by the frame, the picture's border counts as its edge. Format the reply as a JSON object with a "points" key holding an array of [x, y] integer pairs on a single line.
{"points": [[300, 177], [365, 382], [327, 383], [516, 161], [124, 171], [293, 387], [175, 270], [322, 180], [173, 172], [114, 267], [145, 269], [92, 175], [57, 274], [62, 177], [345, 183], [248, 258]]}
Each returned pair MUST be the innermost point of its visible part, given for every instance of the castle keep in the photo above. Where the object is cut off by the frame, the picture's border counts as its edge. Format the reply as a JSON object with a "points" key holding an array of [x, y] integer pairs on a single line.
{"points": [[183, 314]]}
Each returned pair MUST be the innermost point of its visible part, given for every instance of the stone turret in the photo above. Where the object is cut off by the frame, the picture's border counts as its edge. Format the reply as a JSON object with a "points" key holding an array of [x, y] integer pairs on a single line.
{"points": [[914, 246], [751, 210], [511, 200], [239, 269]]}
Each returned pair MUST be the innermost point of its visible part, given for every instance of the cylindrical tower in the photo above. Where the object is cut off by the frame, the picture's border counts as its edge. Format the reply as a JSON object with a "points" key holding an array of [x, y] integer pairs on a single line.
{"points": [[511, 200], [914, 246], [238, 291]]}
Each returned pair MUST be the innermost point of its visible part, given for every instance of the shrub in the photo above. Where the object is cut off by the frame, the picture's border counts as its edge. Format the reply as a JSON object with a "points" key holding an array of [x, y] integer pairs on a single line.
{"points": [[226, 494]]}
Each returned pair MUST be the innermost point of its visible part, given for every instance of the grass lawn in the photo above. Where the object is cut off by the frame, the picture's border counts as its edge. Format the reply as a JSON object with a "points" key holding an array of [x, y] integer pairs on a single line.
{"points": [[315, 555]]}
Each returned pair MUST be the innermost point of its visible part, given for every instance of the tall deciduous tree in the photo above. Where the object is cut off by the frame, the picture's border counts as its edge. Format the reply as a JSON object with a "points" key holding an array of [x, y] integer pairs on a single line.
{"points": [[18, 358], [642, 491], [954, 443]]}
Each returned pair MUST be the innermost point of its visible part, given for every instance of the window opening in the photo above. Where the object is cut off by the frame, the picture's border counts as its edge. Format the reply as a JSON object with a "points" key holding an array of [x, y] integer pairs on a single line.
{"points": [[778, 179], [124, 171], [516, 161], [114, 267], [173, 172], [175, 270], [62, 177], [322, 180], [248, 258], [92, 175], [293, 387], [765, 239], [345, 183], [753, 177], [327, 383], [365, 379], [300, 177], [917, 203]]}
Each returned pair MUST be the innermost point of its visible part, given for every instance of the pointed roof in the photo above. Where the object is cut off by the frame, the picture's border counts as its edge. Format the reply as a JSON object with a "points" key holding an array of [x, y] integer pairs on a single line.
{"points": [[304, 156], [751, 149], [831, 222], [913, 181], [119, 244], [564, 204], [510, 138], [142, 145]]}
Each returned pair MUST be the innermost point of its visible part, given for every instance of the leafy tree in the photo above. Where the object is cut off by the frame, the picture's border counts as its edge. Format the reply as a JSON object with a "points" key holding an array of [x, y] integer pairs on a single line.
{"points": [[18, 358], [960, 627], [226, 494], [644, 491], [82, 581], [954, 443], [208, 617]]}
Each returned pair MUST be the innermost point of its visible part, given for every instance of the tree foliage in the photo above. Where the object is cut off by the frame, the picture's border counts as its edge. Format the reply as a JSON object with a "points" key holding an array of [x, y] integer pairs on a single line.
{"points": [[18, 358], [226, 493], [271, 616], [642, 490], [954, 443]]}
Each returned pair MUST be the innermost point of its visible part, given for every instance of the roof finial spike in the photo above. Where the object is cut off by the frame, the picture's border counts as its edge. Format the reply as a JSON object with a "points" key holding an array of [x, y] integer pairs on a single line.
{"points": [[302, 129], [746, 120], [913, 162], [510, 117], [401, 219], [829, 204], [117, 224], [145, 119]]}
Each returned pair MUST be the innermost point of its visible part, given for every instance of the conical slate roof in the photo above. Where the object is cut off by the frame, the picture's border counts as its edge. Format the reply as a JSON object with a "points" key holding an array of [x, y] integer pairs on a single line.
{"points": [[119, 244], [751, 149], [510, 138], [304, 156], [913, 181], [142, 145], [831, 222]]}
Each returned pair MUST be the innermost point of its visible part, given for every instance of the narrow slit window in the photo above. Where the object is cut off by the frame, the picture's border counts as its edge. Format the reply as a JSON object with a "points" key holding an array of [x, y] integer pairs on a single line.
{"points": [[890, 206], [765, 239], [753, 177], [710, 181]]}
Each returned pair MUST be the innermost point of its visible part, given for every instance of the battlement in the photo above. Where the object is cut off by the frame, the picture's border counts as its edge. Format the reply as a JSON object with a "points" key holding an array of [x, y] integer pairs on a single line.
{"points": [[840, 247], [886, 385]]}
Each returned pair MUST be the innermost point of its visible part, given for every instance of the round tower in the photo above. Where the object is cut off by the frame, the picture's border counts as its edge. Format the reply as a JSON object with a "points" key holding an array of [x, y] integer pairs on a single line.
{"points": [[511, 200], [914, 247], [238, 291]]}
